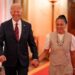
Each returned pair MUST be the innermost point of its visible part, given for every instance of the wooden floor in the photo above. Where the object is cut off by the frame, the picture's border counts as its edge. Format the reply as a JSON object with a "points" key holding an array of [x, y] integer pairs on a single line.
{"points": [[42, 65]]}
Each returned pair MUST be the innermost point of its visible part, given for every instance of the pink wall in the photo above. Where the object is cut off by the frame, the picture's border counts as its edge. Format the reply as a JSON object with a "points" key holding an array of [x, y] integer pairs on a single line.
{"points": [[40, 17], [5, 10], [1, 10]]}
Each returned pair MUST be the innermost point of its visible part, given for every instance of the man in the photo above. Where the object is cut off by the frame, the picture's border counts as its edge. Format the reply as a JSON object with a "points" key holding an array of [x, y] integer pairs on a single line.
{"points": [[15, 36]]}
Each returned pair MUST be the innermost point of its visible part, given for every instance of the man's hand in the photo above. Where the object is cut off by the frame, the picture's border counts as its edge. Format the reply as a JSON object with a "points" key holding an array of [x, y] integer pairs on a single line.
{"points": [[35, 62], [2, 58]]}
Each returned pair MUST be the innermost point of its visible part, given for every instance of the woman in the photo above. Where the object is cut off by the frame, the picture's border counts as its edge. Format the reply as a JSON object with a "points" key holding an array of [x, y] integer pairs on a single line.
{"points": [[59, 44]]}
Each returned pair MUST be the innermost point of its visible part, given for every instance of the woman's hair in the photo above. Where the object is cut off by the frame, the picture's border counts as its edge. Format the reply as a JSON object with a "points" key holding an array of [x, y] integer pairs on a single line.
{"points": [[62, 17]]}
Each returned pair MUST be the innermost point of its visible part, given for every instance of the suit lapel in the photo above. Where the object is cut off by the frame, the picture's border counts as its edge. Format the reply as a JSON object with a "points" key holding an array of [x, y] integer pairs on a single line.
{"points": [[23, 30]]}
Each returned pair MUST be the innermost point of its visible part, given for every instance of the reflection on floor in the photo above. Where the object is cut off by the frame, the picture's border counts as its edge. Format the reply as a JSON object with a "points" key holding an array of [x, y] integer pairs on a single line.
{"points": [[42, 69]]}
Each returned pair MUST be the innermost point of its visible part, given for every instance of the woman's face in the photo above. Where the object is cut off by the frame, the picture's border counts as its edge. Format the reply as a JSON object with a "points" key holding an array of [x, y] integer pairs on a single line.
{"points": [[60, 26]]}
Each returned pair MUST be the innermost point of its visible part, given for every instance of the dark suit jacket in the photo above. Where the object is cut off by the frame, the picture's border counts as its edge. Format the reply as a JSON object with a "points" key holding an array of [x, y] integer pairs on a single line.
{"points": [[14, 49]]}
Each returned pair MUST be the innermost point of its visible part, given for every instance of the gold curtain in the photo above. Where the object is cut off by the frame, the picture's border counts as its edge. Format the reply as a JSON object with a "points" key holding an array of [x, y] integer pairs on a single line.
{"points": [[25, 9]]}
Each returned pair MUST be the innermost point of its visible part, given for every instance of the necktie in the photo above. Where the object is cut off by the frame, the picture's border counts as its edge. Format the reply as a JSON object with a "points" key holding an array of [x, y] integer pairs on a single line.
{"points": [[17, 31]]}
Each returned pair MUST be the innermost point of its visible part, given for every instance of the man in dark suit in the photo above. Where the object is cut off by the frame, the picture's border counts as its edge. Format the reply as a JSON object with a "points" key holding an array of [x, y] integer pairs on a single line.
{"points": [[15, 36]]}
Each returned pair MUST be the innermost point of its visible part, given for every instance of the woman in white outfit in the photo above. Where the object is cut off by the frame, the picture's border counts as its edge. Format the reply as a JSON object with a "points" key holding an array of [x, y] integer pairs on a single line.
{"points": [[60, 44]]}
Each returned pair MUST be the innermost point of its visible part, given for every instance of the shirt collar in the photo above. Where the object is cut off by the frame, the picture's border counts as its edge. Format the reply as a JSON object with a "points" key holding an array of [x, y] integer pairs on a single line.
{"points": [[14, 22]]}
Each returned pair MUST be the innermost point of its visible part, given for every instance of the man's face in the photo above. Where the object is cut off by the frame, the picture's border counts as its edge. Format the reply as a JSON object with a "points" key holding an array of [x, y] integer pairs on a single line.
{"points": [[60, 26], [16, 12]]}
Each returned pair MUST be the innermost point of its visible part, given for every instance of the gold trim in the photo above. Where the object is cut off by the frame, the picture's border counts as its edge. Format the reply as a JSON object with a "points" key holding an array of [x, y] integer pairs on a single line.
{"points": [[25, 9]]}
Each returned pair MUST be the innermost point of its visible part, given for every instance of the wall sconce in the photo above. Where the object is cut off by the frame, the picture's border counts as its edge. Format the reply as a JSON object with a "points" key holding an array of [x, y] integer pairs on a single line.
{"points": [[52, 22]]}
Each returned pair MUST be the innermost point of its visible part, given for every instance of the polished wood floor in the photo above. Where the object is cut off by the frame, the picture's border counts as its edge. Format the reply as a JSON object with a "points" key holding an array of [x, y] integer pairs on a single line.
{"points": [[33, 71]]}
